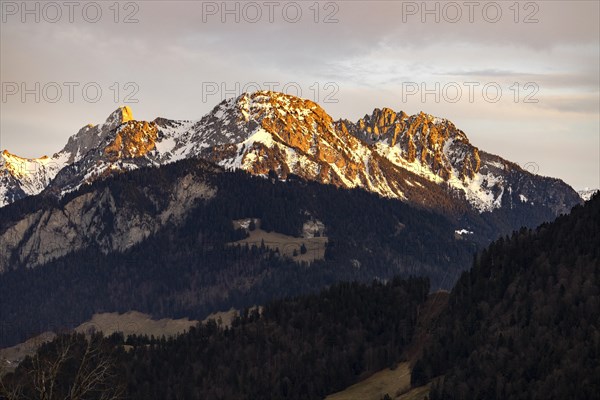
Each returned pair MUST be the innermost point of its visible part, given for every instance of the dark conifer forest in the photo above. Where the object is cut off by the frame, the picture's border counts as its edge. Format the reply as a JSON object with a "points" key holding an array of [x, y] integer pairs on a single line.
{"points": [[300, 348], [524, 322]]}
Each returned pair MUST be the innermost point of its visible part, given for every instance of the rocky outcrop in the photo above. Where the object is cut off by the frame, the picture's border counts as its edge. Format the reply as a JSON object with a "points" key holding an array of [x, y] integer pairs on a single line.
{"points": [[134, 139], [432, 142]]}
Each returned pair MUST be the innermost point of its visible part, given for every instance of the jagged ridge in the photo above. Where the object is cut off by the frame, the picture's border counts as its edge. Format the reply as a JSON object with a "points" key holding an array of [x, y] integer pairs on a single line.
{"points": [[421, 159]]}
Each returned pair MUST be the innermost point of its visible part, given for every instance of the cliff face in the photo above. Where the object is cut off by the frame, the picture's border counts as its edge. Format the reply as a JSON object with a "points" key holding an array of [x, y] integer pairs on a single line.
{"points": [[133, 140], [95, 219]]}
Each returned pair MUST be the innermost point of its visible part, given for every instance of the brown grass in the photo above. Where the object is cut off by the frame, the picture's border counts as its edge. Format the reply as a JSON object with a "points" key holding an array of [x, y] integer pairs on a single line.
{"points": [[395, 383], [287, 244], [419, 393], [135, 323], [10, 357], [392, 382]]}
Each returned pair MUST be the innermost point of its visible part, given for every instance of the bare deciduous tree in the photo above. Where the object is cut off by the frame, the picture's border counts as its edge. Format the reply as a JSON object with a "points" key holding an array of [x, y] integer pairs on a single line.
{"points": [[8, 392], [70, 373]]}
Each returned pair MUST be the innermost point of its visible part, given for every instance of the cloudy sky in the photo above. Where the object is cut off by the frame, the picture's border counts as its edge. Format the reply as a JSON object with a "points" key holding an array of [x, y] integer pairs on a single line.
{"points": [[520, 78]]}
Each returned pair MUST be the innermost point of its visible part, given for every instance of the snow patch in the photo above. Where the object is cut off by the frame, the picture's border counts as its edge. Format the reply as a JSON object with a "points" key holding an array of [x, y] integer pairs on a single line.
{"points": [[587, 193], [463, 232]]}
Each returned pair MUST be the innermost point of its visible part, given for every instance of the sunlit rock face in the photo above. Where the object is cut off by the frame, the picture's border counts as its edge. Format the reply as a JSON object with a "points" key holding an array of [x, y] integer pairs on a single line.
{"points": [[418, 158]]}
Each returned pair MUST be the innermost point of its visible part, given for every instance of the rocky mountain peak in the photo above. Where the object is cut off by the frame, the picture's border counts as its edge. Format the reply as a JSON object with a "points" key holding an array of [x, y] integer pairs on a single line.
{"points": [[293, 120], [118, 117], [120, 136], [269, 131], [429, 144], [21, 177]]}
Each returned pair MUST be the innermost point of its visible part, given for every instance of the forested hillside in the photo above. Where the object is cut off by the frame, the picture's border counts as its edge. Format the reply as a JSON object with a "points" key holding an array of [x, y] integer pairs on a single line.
{"points": [[188, 268], [524, 323], [521, 324], [301, 348]]}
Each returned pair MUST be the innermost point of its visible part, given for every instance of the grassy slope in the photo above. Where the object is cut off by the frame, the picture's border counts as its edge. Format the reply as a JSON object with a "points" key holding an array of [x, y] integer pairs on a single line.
{"points": [[130, 323], [395, 383], [388, 381], [134, 322], [287, 244]]}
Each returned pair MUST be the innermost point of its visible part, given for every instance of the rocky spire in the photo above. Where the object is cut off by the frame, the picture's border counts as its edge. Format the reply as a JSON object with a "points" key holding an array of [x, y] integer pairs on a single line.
{"points": [[120, 116]]}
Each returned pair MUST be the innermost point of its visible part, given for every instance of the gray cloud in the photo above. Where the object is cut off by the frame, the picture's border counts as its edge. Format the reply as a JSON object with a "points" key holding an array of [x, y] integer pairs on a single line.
{"points": [[368, 54]]}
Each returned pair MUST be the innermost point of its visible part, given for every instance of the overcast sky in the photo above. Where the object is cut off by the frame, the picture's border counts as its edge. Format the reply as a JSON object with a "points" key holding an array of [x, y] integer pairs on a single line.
{"points": [[522, 80]]}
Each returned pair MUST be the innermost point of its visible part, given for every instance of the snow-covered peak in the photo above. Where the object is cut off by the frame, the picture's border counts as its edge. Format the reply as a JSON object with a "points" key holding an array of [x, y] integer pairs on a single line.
{"points": [[587, 193], [26, 176], [268, 102], [20, 167], [257, 106], [232, 121], [24, 168]]}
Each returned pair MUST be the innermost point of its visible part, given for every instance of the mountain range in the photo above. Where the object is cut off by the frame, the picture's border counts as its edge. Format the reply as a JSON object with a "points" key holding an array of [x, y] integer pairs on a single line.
{"points": [[425, 162], [57, 207], [421, 159]]}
